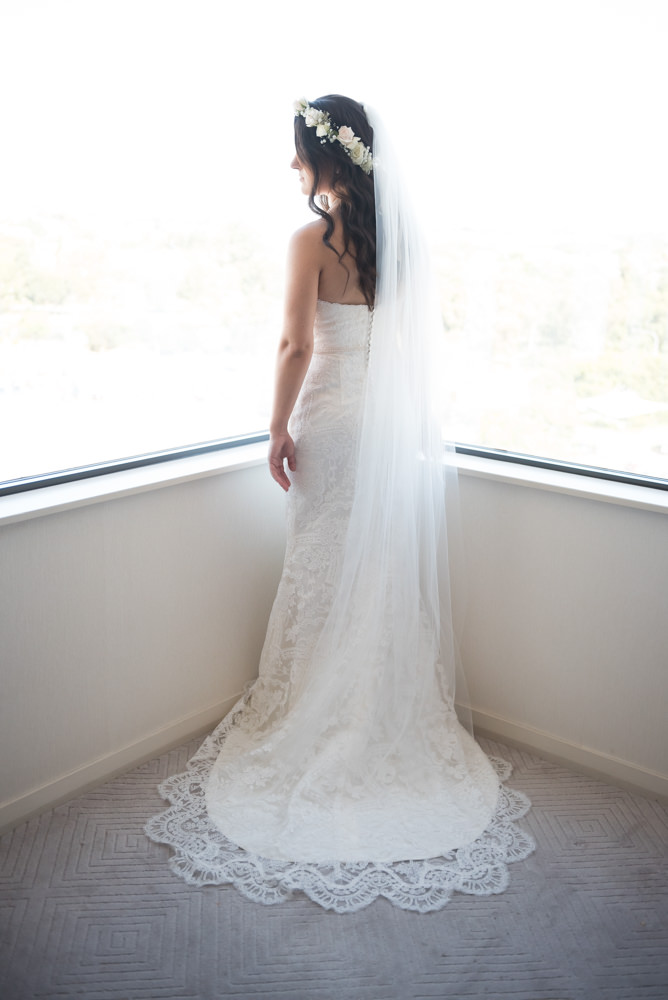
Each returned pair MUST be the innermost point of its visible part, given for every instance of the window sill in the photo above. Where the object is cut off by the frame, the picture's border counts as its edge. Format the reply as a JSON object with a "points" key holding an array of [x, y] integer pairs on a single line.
{"points": [[572, 484], [66, 496], [98, 489]]}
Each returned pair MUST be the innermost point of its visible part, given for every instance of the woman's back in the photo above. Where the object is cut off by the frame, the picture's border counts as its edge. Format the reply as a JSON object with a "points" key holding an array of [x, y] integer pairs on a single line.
{"points": [[339, 277]]}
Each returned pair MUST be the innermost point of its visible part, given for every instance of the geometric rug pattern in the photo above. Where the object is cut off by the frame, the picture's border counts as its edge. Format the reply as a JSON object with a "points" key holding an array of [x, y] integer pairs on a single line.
{"points": [[90, 909]]}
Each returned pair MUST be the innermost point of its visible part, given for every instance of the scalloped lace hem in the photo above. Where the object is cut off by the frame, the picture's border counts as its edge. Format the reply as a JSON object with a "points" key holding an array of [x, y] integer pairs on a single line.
{"points": [[204, 856]]}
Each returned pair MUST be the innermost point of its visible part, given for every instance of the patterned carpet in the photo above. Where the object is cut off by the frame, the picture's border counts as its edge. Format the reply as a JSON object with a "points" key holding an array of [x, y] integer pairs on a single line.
{"points": [[90, 909]]}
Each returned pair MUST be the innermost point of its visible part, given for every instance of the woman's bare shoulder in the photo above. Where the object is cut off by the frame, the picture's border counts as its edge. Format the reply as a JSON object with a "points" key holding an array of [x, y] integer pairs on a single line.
{"points": [[309, 235], [306, 244]]}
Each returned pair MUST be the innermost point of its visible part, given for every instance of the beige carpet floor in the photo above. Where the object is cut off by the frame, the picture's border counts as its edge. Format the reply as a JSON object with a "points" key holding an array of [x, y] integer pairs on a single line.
{"points": [[89, 908]]}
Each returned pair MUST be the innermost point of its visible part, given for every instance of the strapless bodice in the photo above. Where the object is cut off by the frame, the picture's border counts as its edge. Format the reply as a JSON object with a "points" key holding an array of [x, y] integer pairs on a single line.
{"points": [[341, 328]]}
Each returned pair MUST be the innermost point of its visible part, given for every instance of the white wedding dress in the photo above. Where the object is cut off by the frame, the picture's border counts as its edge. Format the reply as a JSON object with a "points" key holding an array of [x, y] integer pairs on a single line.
{"points": [[307, 784]]}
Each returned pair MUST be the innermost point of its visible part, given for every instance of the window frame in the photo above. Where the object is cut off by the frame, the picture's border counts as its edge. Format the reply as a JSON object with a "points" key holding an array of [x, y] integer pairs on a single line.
{"points": [[572, 468], [12, 487]]}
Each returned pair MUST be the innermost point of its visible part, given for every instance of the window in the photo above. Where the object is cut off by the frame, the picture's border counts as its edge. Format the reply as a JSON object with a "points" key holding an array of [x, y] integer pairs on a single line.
{"points": [[146, 203], [558, 347], [141, 244]]}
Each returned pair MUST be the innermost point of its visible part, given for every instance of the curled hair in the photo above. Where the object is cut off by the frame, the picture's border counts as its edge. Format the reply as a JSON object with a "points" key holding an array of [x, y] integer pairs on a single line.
{"points": [[329, 163]]}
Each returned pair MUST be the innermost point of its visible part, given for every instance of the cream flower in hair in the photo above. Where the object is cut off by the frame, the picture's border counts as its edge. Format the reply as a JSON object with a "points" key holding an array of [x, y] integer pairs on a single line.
{"points": [[346, 135], [357, 152], [313, 116]]}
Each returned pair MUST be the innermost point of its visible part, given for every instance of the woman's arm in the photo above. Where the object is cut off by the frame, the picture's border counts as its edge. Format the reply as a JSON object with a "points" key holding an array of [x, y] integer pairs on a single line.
{"points": [[296, 344]]}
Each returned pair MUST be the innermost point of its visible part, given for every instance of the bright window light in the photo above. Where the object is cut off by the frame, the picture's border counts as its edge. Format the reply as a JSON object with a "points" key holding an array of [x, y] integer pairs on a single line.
{"points": [[146, 203]]}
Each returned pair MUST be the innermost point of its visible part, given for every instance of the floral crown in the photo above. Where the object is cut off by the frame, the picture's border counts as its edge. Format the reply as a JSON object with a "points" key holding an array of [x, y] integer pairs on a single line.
{"points": [[325, 129]]}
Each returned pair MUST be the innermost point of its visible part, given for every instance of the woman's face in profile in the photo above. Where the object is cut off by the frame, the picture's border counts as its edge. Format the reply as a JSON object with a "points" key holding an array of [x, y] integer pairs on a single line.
{"points": [[306, 178], [305, 175]]}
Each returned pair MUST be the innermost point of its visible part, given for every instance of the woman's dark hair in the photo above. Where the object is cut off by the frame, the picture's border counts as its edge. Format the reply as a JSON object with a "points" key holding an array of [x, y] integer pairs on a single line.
{"points": [[329, 162]]}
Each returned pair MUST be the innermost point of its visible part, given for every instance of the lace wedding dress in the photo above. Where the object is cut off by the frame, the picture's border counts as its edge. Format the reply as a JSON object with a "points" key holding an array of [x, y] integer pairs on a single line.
{"points": [[320, 779]]}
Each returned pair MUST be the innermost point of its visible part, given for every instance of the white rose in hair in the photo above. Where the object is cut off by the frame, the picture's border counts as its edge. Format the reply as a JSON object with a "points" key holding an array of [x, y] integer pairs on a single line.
{"points": [[357, 152], [313, 117], [346, 135], [321, 129], [300, 105]]}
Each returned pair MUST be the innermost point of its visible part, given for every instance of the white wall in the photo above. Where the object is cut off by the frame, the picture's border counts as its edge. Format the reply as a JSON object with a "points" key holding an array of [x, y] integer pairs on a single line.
{"points": [[130, 624], [566, 638]]}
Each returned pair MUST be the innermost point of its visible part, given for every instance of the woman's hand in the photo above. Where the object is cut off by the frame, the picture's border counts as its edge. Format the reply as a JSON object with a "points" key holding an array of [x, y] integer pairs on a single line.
{"points": [[281, 447]]}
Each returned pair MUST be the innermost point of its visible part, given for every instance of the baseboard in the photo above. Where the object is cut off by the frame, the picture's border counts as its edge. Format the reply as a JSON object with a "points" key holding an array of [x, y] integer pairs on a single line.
{"points": [[96, 772], [599, 765]]}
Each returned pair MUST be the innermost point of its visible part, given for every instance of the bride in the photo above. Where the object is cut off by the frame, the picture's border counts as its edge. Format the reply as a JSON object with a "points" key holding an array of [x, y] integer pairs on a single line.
{"points": [[344, 771]]}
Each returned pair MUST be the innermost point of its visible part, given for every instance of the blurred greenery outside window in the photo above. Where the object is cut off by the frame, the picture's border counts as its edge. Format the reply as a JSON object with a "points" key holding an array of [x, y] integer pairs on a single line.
{"points": [[117, 341], [562, 345], [125, 341]]}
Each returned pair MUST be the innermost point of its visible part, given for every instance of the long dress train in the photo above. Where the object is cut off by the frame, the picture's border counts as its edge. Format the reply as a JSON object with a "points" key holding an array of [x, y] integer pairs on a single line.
{"points": [[307, 785]]}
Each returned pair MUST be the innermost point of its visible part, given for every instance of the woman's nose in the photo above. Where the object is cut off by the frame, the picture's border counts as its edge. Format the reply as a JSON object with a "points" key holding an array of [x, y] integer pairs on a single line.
{"points": [[294, 163]]}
